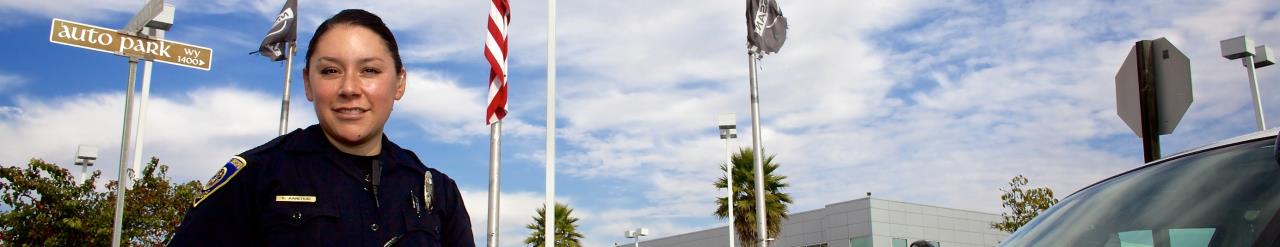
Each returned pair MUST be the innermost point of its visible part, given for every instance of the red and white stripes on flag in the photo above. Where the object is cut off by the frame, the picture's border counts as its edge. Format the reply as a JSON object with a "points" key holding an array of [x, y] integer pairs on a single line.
{"points": [[495, 49]]}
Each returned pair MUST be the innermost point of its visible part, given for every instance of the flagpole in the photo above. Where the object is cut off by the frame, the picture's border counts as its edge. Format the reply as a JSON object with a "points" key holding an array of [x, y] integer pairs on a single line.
{"points": [[288, 75], [495, 144], [761, 218], [548, 221], [496, 53]]}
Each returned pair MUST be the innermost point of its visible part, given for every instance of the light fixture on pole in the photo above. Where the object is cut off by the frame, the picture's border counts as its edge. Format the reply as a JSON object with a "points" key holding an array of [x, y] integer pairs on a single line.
{"points": [[85, 155], [1252, 58], [636, 235], [729, 132]]}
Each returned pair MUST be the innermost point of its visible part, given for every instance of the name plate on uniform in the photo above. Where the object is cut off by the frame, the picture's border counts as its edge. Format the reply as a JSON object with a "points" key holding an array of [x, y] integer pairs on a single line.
{"points": [[295, 199]]}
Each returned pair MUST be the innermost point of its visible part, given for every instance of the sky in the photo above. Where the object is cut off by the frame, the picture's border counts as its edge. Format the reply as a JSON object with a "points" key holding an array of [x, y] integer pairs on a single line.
{"points": [[937, 102]]}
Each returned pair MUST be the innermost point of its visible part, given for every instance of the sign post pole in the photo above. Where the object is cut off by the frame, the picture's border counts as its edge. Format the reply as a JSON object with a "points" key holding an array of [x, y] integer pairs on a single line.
{"points": [[1147, 101], [124, 154]]}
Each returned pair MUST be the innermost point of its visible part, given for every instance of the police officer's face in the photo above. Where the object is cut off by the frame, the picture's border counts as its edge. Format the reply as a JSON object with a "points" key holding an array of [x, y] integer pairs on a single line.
{"points": [[353, 82]]}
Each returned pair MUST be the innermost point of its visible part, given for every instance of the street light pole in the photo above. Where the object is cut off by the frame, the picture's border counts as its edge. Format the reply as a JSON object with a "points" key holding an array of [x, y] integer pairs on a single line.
{"points": [[1257, 99], [1253, 57], [142, 108], [85, 155], [728, 132], [636, 235]]}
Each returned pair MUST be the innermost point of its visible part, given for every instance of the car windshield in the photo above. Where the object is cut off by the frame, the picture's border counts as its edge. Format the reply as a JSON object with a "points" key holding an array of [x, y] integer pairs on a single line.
{"points": [[1220, 197]]}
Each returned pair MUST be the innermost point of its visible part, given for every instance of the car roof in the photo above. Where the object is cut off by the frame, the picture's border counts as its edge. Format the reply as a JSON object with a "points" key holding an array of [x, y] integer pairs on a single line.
{"points": [[1270, 133], [1224, 142]]}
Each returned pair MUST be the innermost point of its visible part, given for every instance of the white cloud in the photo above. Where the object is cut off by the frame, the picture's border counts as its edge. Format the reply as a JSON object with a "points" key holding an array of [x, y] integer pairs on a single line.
{"points": [[192, 133], [434, 102], [8, 81], [77, 10], [517, 210]]}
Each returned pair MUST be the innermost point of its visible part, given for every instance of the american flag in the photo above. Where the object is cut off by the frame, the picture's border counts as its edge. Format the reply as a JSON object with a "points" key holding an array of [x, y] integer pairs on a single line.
{"points": [[495, 49]]}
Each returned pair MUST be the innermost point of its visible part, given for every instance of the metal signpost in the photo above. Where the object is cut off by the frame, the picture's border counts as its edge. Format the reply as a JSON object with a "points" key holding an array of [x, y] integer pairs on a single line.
{"points": [[1153, 91], [136, 41]]}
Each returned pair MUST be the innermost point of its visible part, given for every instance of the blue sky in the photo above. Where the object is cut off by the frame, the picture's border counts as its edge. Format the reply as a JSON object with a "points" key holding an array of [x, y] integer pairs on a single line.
{"points": [[864, 96]]}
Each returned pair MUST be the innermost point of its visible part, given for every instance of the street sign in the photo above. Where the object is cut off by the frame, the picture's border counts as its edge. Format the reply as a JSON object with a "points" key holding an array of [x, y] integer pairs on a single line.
{"points": [[1127, 104], [111, 41], [1173, 83], [1172, 71]]}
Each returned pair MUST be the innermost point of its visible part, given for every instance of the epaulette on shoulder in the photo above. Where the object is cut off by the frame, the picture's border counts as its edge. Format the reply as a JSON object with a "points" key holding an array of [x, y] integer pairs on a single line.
{"points": [[277, 142], [412, 156]]}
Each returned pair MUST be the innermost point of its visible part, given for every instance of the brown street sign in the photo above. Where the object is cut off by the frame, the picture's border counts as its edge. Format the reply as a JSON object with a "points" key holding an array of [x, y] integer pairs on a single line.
{"points": [[111, 41]]}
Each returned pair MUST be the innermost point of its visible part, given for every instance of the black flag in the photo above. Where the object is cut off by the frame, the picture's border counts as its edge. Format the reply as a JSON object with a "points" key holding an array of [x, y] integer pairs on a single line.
{"points": [[766, 27], [283, 31]]}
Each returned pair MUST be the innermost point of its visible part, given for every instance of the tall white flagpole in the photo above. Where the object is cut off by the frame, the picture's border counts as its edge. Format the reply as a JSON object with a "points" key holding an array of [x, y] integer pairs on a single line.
{"points": [[548, 221], [288, 76], [495, 161], [762, 219]]}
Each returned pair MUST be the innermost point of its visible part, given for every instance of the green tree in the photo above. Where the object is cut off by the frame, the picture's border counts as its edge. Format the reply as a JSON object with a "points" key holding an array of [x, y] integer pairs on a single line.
{"points": [[154, 205], [1023, 204], [744, 197], [48, 207], [566, 235]]}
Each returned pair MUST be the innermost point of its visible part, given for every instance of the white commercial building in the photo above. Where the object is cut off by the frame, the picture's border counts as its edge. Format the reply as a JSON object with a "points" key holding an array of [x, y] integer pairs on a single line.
{"points": [[865, 222]]}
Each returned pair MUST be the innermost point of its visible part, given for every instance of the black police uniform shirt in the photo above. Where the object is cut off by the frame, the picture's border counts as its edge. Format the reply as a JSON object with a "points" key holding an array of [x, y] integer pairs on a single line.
{"points": [[299, 190]]}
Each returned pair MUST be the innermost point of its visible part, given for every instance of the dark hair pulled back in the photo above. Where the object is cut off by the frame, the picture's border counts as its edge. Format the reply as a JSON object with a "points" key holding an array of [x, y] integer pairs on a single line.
{"points": [[361, 18]]}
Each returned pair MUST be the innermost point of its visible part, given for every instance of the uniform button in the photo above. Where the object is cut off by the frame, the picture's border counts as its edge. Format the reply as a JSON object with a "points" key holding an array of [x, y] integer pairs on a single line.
{"points": [[297, 215], [373, 227]]}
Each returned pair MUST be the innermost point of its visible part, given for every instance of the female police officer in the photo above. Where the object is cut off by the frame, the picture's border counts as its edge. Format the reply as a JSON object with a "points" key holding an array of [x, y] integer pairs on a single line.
{"points": [[341, 182]]}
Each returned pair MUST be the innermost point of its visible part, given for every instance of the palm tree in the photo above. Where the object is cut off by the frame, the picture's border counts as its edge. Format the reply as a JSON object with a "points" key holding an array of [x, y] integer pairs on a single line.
{"points": [[566, 228], [744, 197]]}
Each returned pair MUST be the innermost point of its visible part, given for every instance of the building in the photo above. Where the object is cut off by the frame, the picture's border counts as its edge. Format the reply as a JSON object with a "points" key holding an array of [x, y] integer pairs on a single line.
{"points": [[865, 222]]}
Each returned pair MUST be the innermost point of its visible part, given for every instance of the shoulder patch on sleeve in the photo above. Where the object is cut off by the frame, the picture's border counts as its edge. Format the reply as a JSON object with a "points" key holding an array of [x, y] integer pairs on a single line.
{"points": [[224, 174]]}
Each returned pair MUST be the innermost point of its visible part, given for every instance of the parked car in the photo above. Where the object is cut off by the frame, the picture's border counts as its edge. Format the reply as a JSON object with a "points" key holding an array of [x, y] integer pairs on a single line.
{"points": [[1223, 194]]}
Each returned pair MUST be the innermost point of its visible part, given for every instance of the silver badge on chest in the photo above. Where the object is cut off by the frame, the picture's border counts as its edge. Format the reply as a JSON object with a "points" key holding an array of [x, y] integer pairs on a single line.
{"points": [[427, 189]]}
